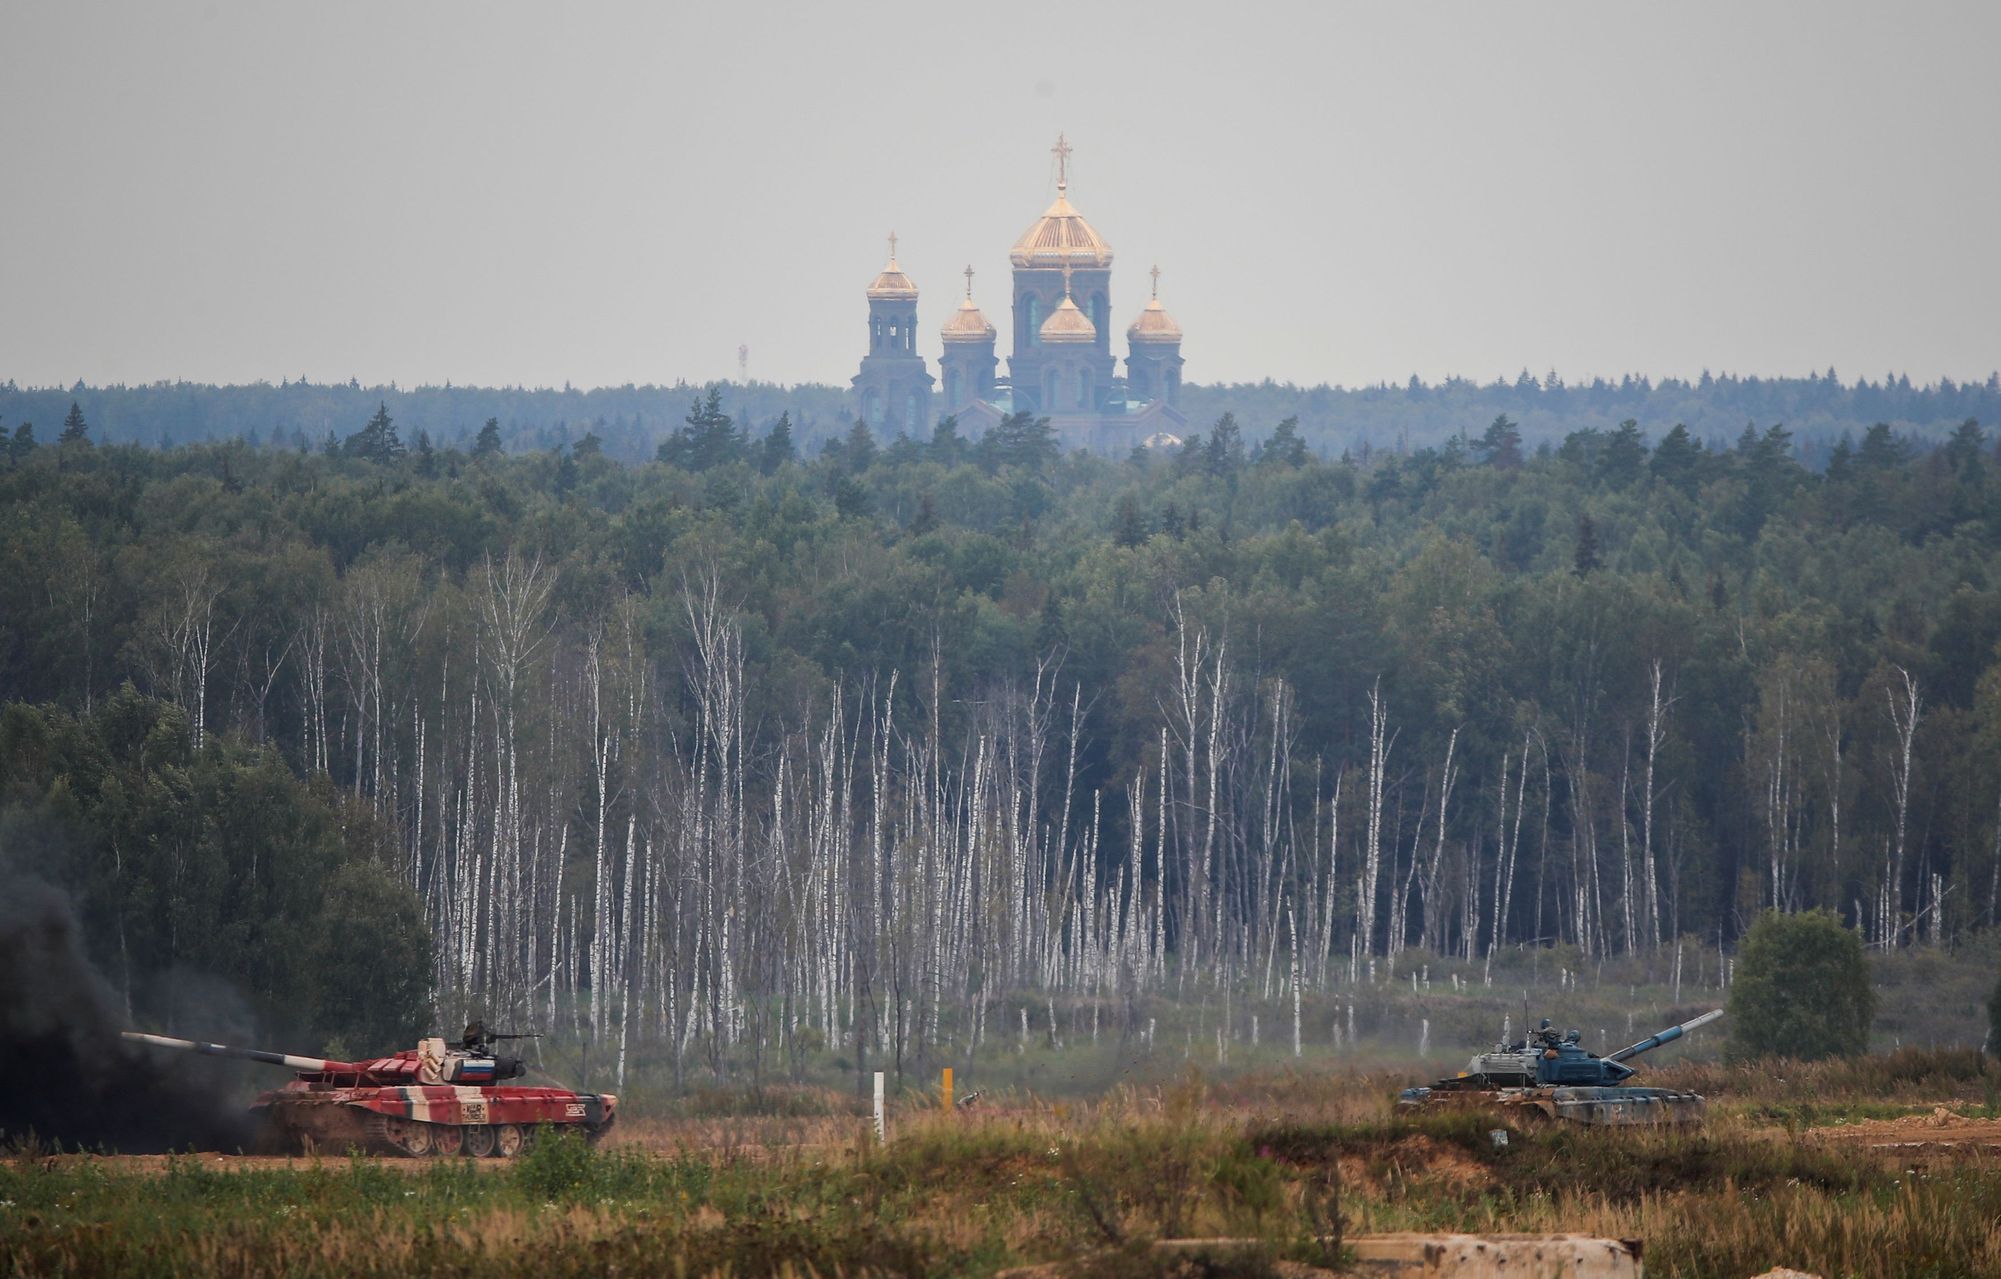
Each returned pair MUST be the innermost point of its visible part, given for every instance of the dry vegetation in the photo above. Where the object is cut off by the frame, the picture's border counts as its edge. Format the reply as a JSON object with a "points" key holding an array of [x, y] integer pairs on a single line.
{"points": [[1288, 1158]]}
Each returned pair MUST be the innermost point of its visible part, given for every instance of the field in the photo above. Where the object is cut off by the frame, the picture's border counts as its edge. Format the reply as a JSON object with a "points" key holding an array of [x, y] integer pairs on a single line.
{"points": [[1886, 1165]]}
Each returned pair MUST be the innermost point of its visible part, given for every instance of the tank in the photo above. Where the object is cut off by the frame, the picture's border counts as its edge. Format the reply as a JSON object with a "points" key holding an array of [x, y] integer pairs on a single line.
{"points": [[1551, 1075], [435, 1099]]}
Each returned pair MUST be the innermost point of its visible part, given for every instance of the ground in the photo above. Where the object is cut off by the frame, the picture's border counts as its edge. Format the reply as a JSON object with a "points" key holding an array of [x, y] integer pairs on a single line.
{"points": [[1886, 1166]]}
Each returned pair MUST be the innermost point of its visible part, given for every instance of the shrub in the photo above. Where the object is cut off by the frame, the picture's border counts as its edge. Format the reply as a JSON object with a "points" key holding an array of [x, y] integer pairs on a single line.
{"points": [[1801, 989]]}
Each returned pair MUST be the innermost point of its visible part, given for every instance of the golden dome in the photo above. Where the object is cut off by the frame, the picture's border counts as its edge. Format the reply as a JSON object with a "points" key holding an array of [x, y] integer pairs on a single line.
{"points": [[1068, 324], [967, 324], [892, 285], [1061, 237], [1154, 323]]}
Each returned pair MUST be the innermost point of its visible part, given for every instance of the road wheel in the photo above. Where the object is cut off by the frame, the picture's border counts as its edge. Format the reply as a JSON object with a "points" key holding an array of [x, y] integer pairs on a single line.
{"points": [[508, 1140], [478, 1141], [446, 1139], [409, 1136]]}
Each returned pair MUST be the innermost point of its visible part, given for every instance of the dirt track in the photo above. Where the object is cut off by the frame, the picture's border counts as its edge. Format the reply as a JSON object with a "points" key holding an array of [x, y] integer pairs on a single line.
{"points": [[1941, 1130]]}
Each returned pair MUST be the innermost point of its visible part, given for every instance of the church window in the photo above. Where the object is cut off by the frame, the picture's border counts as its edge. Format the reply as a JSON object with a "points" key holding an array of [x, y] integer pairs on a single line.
{"points": [[1032, 307]]}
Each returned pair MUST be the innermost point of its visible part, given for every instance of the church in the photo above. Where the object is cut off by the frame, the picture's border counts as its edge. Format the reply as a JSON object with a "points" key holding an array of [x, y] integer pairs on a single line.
{"points": [[1061, 366]]}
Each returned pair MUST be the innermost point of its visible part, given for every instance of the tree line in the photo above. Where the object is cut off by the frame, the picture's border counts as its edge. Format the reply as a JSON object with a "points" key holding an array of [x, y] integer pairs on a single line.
{"points": [[754, 748], [630, 421]]}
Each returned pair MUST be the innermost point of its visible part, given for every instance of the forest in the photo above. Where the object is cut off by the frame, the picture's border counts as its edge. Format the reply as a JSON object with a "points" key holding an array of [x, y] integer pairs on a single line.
{"points": [[630, 421], [747, 748]]}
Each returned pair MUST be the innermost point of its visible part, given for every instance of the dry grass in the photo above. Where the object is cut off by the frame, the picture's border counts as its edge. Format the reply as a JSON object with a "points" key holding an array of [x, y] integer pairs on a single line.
{"points": [[1280, 1157]]}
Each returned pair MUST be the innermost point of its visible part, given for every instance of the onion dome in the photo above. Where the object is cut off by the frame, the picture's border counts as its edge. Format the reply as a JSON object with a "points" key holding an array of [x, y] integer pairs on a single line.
{"points": [[1061, 237], [1154, 323], [967, 324], [1066, 323], [892, 285]]}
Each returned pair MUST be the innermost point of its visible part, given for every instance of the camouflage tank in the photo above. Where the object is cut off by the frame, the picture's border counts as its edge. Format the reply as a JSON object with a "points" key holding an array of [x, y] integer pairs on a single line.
{"points": [[434, 1099], [1551, 1075]]}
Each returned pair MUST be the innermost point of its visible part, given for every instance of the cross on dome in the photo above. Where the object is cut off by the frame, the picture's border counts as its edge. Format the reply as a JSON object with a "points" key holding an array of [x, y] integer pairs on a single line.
{"points": [[969, 281], [1062, 153]]}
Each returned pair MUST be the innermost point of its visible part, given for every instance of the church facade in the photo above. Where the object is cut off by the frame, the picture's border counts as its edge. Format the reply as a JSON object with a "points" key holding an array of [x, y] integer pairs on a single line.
{"points": [[1060, 365]]}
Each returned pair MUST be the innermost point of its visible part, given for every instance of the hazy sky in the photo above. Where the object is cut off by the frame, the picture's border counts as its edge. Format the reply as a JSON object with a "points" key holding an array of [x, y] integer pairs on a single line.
{"points": [[517, 193]]}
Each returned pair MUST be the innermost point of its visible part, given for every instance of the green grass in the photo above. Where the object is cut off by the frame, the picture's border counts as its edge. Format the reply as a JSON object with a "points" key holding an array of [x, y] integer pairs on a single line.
{"points": [[1090, 1185]]}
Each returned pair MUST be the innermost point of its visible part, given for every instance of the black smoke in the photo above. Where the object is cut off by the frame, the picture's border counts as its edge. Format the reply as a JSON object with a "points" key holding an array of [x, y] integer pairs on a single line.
{"points": [[66, 1078]]}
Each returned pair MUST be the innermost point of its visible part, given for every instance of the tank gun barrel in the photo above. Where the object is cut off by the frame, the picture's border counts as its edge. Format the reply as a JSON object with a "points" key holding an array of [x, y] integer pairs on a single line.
{"points": [[1669, 1035], [310, 1064]]}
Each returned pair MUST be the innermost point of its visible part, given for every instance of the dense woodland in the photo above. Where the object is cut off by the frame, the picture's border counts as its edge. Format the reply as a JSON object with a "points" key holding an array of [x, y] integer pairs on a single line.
{"points": [[630, 421], [749, 749]]}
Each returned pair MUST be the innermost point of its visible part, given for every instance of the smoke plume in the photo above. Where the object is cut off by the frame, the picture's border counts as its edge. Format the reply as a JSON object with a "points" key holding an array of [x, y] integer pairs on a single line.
{"points": [[65, 1075]]}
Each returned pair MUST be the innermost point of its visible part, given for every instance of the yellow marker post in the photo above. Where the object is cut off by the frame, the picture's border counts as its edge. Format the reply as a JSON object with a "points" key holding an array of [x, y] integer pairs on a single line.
{"points": [[945, 1091]]}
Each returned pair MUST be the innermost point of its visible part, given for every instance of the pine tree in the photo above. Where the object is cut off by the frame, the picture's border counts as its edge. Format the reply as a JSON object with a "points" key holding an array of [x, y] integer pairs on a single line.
{"points": [[1624, 456], [1128, 525], [1586, 560], [74, 429], [709, 439], [777, 449], [1502, 444], [858, 449], [1052, 633], [948, 448], [1285, 447], [926, 518], [376, 441], [1677, 461], [487, 444], [23, 442], [1226, 447], [851, 498]]}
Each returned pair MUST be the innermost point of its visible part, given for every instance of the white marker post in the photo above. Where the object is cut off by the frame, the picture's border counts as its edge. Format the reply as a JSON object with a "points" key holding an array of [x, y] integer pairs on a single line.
{"points": [[881, 1134]]}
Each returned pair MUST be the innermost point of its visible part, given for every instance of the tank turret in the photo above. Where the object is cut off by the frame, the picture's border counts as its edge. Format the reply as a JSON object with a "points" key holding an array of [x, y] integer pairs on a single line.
{"points": [[431, 1062]]}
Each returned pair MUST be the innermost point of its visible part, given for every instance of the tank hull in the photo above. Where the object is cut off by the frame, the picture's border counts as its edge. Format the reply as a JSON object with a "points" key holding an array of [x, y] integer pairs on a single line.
{"points": [[1597, 1106], [426, 1119]]}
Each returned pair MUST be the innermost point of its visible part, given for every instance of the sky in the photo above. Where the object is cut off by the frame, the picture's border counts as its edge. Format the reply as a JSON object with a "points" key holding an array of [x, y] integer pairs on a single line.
{"points": [[508, 193]]}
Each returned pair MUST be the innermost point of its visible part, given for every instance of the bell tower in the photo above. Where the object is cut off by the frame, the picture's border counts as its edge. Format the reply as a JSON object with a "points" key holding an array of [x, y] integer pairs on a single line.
{"points": [[1061, 260], [1153, 370], [968, 362], [892, 388]]}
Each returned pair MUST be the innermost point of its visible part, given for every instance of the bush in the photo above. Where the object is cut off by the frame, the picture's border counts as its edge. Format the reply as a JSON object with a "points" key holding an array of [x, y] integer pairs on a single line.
{"points": [[1801, 989], [557, 1165]]}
